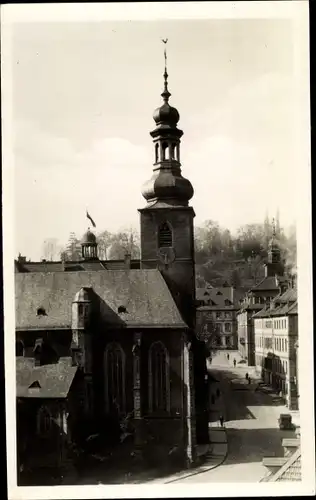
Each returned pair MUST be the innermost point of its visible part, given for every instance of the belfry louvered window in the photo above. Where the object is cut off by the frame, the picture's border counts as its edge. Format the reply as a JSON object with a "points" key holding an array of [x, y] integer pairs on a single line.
{"points": [[164, 235], [159, 384]]}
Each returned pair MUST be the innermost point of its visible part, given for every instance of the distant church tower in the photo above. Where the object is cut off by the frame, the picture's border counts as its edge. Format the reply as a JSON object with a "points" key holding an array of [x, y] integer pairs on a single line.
{"points": [[167, 220], [274, 265]]}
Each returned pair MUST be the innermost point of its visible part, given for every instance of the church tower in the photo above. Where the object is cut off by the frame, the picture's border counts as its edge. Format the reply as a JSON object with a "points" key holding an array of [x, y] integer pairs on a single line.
{"points": [[274, 265], [167, 220]]}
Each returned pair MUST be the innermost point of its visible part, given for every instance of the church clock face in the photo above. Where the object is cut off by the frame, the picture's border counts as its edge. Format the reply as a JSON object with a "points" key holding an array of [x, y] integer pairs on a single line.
{"points": [[166, 255]]}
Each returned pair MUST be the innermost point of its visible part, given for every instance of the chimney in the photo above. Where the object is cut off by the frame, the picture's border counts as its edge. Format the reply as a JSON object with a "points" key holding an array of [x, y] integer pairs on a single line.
{"points": [[127, 260], [21, 258]]}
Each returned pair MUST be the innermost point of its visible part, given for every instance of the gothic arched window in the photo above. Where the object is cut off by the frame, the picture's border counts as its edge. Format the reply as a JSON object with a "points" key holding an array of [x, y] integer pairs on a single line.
{"points": [[115, 378], [164, 235], [19, 348], [159, 382], [44, 421]]}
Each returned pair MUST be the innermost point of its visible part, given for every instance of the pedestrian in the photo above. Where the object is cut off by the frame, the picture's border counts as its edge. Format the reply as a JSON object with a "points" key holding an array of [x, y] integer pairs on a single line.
{"points": [[227, 357], [234, 363], [249, 380], [247, 376], [221, 420]]}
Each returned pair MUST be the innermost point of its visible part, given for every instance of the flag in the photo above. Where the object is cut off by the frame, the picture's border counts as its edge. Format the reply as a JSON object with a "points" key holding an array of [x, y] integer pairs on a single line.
{"points": [[90, 219]]}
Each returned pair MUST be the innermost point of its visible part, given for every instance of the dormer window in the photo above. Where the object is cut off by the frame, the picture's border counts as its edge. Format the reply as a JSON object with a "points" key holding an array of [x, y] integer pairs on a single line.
{"points": [[164, 235], [219, 293], [41, 311], [35, 385], [83, 310], [121, 309]]}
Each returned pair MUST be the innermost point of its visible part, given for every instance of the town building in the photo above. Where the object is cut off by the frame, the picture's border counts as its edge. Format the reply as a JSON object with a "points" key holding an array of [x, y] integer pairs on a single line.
{"points": [[216, 320], [101, 342], [257, 297], [276, 335]]}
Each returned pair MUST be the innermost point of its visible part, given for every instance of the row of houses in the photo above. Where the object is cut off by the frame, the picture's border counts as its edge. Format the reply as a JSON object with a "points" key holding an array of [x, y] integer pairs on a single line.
{"points": [[261, 323]]}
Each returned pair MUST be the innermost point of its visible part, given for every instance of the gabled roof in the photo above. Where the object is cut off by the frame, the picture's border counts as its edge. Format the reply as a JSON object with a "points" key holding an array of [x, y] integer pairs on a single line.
{"points": [[144, 293], [268, 283], [281, 310], [48, 381], [260, 314], [219, 297]]}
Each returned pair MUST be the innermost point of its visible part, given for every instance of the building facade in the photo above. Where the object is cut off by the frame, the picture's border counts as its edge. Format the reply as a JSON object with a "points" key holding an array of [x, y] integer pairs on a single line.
{"points": [[257, 298], [124, 331], [217, 316], [276, 335]]}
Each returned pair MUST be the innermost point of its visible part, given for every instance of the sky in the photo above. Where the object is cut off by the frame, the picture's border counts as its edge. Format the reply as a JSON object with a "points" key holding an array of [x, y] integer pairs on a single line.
{"points": [[83, 99]]}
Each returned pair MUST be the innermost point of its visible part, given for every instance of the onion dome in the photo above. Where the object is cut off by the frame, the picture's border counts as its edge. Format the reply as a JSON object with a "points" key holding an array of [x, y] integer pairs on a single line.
{"points": [[166, 114], [168, 185], [88, 238]]}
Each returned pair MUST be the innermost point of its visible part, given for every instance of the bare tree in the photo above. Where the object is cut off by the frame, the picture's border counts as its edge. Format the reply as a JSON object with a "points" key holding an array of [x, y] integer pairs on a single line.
{"points": [[125, 242], [51, 249], [104, 244]]}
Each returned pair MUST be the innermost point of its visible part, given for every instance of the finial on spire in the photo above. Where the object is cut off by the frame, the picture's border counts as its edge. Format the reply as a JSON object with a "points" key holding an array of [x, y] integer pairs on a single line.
{"points": [[166, 94]]}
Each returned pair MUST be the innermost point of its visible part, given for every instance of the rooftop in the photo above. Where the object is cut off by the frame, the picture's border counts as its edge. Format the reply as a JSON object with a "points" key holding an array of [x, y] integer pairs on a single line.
{"points": [[48, 381], [143, 293]]}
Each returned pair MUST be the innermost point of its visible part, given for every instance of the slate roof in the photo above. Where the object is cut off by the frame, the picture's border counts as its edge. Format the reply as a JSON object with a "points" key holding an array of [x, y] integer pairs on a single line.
{"points": [[49, 381], [218, 296], [144, 294], [293, 309], [83, 265], [268, 283], [282, 305], [290, 471]]}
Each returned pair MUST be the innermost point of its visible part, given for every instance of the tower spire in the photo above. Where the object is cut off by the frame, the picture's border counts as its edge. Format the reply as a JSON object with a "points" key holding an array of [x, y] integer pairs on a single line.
{"points": [[273, 228], [166, 94]]}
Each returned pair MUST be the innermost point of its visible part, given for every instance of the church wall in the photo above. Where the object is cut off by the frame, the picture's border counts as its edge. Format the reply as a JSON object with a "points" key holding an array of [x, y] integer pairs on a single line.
{"points": [[164, 434]]}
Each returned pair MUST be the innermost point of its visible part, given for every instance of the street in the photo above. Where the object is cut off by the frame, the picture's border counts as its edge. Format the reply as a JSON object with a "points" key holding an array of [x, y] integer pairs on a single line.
{"points": [[251, 420]]}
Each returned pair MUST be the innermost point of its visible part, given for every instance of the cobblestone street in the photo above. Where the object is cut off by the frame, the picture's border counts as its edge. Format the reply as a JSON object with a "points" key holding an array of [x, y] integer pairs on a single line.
{"points": [[251, 422]]}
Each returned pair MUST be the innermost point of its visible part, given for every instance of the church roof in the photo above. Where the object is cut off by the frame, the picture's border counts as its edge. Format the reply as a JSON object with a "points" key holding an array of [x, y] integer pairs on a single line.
{"points": [[143, 293], [47, 381], [82, 265]]}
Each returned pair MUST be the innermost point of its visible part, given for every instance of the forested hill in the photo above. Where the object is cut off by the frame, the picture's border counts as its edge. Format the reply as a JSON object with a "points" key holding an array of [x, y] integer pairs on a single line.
{"points": [[221, 257]]}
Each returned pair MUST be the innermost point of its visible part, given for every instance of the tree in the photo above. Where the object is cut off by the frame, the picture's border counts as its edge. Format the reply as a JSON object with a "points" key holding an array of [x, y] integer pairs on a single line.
{"points": [[73, 248], [51, 249], [125, 242], [104, 243]]}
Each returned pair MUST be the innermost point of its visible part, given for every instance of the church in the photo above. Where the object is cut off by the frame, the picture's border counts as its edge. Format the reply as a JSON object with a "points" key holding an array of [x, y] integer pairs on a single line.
{"points": [[101, 342]]}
